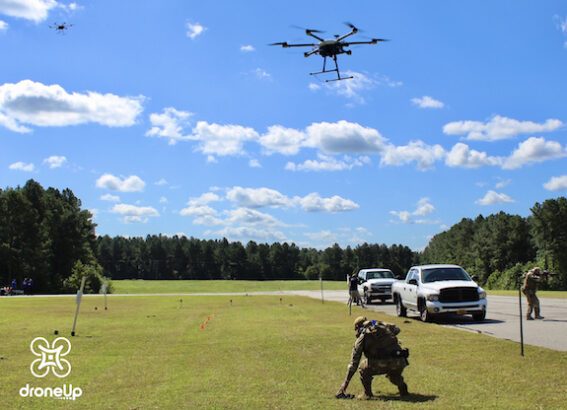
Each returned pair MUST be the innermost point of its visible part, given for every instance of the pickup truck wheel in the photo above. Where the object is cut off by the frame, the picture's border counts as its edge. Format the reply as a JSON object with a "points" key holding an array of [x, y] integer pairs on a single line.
{"points": [[480, 316], [424, 314], [400, 308], [367, 298]]}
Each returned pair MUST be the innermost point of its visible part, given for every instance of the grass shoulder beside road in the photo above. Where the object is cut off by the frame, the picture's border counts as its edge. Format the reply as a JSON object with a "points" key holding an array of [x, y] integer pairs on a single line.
{"points": [[220, 286], [236, 352]]}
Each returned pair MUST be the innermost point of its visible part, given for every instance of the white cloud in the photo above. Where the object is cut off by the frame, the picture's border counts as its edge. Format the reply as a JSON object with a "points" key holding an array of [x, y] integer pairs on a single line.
{"points": [[163, 200], [262, 74], [169, 125], [161, 182], [315, 203], [55, 161], [556, 183], [34, 103], [286, 141], [416, 151], [314, 86], [133, 213], [222, 140], [427, 102], [327, 163], [502, 183], [198, 207], [266, 197], [351, 89], [3, 26], [247, 48], [423, 208], [132, 183], [561, 23], [251, 217], [257, 197], [343, 137], [532, 150], [204, 199], [22, 166], [34, 10], [194, 30], [498, 128], [493, 198], [110, 198], [254, 163], [462, 156]]}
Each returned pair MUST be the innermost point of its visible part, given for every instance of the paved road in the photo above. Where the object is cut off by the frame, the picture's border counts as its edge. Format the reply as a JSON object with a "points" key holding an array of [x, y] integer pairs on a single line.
{"points": [[502, 320]]}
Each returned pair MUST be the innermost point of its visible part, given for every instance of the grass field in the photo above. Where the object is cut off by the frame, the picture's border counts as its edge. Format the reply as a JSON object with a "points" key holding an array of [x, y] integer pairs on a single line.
{"points": [[258, 353], [219, 286]]}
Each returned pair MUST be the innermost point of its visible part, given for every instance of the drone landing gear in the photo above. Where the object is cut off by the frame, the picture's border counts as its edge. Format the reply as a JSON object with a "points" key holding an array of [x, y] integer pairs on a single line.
{"points": [[334, 70]]}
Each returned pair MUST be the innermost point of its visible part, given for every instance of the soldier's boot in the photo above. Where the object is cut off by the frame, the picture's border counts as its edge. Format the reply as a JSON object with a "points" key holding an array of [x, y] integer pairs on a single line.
{"points": [[529, 314], [403, 389], [537, 315]]}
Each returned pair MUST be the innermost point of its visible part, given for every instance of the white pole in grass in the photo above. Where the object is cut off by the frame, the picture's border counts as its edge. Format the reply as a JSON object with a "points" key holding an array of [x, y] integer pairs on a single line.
{"points": [[79, 296], [321, 280], [104, 290]]}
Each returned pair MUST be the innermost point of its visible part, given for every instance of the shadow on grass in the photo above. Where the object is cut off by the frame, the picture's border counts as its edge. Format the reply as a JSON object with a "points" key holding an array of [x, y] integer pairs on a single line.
{"points": [[410, 398]]}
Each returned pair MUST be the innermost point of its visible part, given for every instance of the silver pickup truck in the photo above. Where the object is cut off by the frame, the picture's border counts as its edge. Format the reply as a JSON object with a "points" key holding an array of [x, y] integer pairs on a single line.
{"points": [[432, 290], [375, 283]]}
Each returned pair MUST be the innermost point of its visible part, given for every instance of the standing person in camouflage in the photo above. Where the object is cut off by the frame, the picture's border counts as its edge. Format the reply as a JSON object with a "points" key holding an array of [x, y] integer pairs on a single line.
{"points": [[384, 355], [531, 281]]}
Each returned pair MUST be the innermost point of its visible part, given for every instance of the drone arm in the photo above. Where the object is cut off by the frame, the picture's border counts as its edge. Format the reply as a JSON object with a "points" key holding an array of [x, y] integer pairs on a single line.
{"points": [[310, 33], [353, 31], [300, 45], [360, 42]]}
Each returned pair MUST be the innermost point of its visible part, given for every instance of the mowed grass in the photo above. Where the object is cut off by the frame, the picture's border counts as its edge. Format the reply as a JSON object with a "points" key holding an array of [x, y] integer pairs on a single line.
{"points": [[540, 293], [220, 286], [258, 352]]}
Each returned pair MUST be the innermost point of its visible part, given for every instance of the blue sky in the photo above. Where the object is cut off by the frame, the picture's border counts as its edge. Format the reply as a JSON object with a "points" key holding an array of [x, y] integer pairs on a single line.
{"points": [[177, 117]]}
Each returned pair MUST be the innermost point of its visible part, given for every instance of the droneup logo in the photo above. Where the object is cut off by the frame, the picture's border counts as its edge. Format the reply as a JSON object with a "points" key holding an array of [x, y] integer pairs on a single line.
{"points": [[50, 359]]}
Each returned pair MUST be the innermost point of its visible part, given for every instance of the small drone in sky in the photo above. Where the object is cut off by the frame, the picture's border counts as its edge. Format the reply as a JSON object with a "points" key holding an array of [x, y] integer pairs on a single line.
{"points": [[61, 28], [330, 48]]}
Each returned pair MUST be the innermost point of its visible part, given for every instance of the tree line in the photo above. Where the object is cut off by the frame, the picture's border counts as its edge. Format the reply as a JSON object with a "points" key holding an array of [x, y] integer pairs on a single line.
{"points": [[499, 247], [46, 235]]}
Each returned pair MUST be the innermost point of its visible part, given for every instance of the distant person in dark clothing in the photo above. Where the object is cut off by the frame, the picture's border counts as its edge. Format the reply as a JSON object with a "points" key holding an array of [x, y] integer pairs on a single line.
{"points": [[353, 290], [14, 284], [30, 286]]}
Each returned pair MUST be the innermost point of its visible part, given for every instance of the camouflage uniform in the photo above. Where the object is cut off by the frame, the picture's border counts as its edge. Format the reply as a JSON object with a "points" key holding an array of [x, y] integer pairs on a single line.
{"points": [[378, 342], [531, 281]]}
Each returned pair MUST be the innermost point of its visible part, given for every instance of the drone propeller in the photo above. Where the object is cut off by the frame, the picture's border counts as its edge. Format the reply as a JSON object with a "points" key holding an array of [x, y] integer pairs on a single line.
{"points": [[352, 26], [309, 30], [282, 43]]}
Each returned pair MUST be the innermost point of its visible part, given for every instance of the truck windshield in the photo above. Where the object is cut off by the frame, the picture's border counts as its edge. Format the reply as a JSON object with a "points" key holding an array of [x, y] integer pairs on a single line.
{"points": [[380, 274], [437, 274]]}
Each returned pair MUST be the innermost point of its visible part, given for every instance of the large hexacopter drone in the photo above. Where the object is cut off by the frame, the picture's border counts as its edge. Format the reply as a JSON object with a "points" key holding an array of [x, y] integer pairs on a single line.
{"points": [[330, 48]]}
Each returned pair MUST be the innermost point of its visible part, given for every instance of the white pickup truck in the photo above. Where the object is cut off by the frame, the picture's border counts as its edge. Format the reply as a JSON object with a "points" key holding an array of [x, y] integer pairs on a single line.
{"points": [[375, 283], [436, 289]]}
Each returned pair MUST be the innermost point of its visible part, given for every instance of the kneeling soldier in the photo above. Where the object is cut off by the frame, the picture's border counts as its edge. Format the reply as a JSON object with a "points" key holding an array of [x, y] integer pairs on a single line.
{"points": [[384, 355]]}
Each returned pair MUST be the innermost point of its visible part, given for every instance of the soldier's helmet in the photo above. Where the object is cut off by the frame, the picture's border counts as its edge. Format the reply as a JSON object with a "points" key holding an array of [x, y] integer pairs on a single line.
{"points": [[359, 321], [537, 270]]}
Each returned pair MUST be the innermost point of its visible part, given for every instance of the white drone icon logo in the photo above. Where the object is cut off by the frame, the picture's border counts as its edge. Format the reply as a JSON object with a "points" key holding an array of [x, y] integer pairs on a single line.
{"points": [[50, 357]]}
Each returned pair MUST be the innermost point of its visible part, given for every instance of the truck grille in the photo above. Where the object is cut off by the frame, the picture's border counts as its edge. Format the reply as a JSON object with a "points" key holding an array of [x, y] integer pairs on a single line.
{"points": [[382, 288], [458, 295]]}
